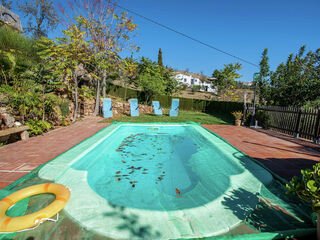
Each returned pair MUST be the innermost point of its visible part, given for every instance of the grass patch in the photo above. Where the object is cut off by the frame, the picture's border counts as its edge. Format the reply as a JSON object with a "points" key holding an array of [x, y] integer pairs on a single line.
{"points": [[198, 117]]}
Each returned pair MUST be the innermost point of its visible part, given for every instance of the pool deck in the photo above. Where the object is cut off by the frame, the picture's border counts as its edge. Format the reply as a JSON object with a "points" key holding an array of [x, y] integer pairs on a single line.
{"points": [[281, 153]]}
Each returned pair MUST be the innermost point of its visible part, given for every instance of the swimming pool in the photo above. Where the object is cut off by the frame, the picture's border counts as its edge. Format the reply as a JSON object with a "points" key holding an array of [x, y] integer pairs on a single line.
{"points": [[172, 177]]}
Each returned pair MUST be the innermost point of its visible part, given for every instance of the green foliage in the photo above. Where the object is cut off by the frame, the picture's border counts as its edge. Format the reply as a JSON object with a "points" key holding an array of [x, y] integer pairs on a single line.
{"points": [[183, 86], [263, 118], [86, 93], [263, 81], [17, 54], [150, 79], [171, 83], [297, 81], [196, 88], [64, 106], [226, 78], [313, 104], [160, 63], [307, 188], [237, 115], [38, 127]]}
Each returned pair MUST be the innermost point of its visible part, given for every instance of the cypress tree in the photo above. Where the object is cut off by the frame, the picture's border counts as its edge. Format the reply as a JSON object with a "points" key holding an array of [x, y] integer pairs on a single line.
{"points": [[160, 63]]}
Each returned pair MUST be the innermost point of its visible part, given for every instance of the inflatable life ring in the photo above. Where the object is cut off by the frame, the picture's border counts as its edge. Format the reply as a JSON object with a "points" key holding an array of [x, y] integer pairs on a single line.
{"points": [[14, 224]]}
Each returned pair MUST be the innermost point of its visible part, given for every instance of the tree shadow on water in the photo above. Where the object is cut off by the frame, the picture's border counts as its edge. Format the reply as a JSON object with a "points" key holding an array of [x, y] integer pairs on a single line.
{"points": [[241, 202], [130, 223], [262, 214]]}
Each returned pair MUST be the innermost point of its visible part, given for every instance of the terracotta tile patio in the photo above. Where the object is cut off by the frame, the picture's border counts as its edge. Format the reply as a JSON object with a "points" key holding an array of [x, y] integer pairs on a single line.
{"points": [[282, 154]]}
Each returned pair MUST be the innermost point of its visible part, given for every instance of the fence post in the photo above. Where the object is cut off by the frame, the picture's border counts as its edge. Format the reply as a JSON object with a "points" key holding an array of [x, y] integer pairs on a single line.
{"points": [[316, 138], [296, 132]]}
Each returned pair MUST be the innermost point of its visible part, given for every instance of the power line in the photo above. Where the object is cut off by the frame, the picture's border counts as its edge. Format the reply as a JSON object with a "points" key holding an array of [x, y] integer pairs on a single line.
{"points": [[187, 36]]}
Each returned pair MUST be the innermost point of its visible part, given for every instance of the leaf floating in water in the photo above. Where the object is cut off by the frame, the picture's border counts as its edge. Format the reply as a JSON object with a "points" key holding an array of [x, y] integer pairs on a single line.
{"points": [[144, 173], [131, 172], [132, 182], [178, 191], [163, 172], [118, 172], [123, 161], [118, 179]]}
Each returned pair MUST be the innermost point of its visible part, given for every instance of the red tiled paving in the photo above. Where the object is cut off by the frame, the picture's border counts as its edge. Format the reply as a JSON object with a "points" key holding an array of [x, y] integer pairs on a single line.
{"points": [[281, 155], [19, 158]]}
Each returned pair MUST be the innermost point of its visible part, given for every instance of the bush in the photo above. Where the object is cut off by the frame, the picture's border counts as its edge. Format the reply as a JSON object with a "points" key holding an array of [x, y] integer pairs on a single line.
{"points": [[196, 88], [263, 119], [307, 188], [64, 107], [261, 116], [38, 127]]}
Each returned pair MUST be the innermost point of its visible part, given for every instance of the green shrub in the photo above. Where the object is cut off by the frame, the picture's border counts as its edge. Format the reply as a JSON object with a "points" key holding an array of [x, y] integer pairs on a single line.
{"points": [[237, 115], [64, 107], [307, 188], [247, 120], [261, 116], [196, 88], [38, 127], [263, 119]]}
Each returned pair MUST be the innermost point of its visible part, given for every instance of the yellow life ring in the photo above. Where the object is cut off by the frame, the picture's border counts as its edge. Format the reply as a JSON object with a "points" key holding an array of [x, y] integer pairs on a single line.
{"points": [[14, 224]]}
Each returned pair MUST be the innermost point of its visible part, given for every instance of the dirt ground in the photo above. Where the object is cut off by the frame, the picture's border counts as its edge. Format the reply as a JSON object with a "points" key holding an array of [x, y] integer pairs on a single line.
{"points": [[239, 93]]}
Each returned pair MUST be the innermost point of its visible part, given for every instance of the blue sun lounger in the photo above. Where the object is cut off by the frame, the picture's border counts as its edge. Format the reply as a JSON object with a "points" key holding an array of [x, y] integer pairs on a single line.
{"points": [[134, 107], [174, 107], [107, 108], [156, 108]]}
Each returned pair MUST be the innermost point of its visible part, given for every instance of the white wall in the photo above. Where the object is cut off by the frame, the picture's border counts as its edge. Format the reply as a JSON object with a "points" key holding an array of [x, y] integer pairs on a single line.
{"points": [[192, 81]]}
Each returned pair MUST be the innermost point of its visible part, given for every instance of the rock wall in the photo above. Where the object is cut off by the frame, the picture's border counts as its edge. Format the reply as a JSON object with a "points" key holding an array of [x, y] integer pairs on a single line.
{"points": [[6, 119], [118, 108]]}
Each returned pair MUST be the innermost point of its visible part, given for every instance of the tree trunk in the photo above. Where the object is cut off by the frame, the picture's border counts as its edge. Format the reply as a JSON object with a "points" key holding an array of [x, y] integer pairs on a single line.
{"points": [[104, 76], [75, 113], [96, 108]]}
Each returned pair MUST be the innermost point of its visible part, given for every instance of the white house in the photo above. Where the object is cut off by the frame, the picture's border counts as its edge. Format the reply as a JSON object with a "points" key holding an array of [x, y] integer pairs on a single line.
{"points": [[191, 80], [247, 83]]}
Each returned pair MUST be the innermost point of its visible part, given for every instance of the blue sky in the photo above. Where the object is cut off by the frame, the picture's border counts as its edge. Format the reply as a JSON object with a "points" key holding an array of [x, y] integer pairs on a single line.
{"points": [[243, 28]]}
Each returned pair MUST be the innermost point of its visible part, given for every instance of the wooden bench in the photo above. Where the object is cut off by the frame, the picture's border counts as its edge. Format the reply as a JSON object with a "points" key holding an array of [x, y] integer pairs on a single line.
{"points": [[5, 134]]}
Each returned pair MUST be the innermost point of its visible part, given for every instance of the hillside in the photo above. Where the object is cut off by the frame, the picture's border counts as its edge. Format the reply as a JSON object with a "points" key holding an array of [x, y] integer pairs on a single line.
{"points": [[206, 95]]}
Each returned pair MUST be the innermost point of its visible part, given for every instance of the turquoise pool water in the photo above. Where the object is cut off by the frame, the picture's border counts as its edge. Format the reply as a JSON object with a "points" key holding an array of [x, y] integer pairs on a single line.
{"points": [[176, 180], [157, 168]]}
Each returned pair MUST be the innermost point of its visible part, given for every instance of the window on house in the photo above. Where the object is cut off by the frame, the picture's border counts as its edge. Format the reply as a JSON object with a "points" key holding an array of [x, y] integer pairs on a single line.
{"points": [[185, 80]]}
